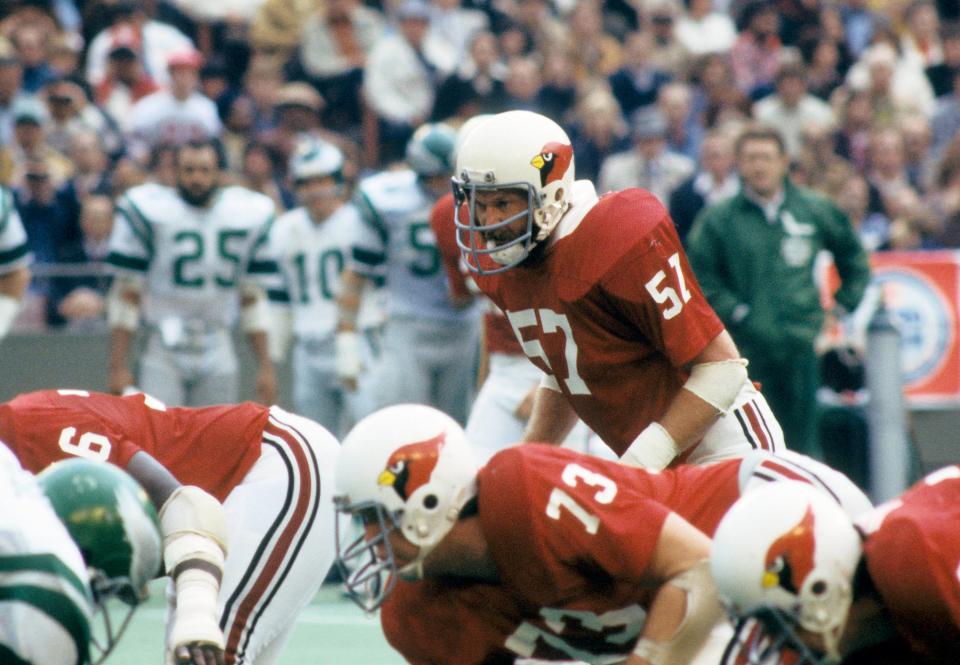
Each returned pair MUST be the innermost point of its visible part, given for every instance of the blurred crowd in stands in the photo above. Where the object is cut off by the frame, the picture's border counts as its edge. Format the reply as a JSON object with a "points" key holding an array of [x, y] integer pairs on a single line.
{"points": [[93, 94]]}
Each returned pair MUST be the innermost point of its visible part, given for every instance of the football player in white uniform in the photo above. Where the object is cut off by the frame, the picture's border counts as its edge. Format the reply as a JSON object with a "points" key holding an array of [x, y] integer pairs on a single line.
{"points": [[14, 258], [311, 246], [185, 259], [429, 345], [57, 574]]}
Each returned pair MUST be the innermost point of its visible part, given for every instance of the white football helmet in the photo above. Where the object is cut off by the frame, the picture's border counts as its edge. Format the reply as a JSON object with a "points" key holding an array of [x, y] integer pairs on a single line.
{"points": [[514, 150], [316, 159], [785, 554], [406, 467]]}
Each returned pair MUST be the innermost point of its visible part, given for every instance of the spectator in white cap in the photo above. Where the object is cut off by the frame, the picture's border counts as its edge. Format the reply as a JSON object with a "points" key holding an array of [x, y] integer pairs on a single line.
{"points": [[177, 115]]}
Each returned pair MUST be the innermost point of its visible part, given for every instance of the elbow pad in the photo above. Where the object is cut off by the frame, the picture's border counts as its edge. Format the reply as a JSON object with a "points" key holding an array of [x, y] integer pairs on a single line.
{"points": [[194, 526], [718, 383]]}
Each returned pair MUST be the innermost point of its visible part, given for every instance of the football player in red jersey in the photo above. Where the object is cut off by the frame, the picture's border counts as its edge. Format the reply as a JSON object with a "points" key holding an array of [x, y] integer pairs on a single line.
{"points": [[881, 588], [544, 552], [244, 494], [601, 296]]}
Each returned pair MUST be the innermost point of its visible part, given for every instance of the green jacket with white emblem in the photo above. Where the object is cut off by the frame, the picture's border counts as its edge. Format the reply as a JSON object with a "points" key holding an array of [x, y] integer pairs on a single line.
{"points": [[759, 275]]}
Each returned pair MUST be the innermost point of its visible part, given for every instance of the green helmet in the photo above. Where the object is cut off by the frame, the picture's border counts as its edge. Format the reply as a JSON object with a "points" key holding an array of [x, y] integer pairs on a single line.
{"points": [[115, 527], [430, 150]]}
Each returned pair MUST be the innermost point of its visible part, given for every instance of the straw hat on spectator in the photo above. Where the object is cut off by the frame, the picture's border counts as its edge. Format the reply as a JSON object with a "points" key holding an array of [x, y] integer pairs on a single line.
{"points": [[299, 94]]}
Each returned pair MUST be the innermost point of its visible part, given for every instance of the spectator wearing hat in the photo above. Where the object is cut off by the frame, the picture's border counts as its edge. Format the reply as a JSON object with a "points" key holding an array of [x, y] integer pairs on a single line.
{"points": [[401, 77], [126, 81], [298, 107], [30, 142], [638, 81], [791, 106], [650, 164], [177, 115]]}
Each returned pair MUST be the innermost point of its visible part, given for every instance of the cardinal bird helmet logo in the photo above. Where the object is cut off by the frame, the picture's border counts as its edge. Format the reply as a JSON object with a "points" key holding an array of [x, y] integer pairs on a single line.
{"points": [[410, 466], [552, 162], [790, 558]]}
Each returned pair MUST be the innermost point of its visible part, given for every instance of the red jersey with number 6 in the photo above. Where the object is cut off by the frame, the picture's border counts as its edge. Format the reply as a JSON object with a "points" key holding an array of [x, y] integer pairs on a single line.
{"points": [[912, 551], [572, 537], [210, 447], [612, 311]]}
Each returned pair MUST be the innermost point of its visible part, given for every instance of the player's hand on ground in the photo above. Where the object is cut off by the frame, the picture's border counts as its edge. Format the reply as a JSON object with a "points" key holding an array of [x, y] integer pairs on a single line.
{"points": [[198, 654], [267, 385], [120, 379]]}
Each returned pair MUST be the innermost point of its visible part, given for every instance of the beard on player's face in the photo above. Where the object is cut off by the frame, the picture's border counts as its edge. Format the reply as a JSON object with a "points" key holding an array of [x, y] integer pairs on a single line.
{"points": [[196, 194]]}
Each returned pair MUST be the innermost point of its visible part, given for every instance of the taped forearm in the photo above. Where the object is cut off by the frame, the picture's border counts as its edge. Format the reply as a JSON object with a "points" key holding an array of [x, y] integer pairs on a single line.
{"points": [[123, 304], [701, 613], [718, 383], [9, 307], [194, 528], [254, 310]]}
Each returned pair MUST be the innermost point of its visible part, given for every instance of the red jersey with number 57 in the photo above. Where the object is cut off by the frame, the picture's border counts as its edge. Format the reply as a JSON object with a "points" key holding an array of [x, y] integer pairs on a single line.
{"points": [[572, 537], [912, 551], [612, 311], [210, 447]]}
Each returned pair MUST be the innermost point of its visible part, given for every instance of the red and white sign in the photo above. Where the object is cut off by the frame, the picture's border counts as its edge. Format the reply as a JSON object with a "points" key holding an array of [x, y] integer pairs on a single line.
{"points": [[922, 292]]}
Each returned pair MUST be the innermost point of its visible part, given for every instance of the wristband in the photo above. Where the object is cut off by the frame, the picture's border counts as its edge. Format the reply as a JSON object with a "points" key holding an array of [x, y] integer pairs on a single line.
{"points": [[653, 449]]}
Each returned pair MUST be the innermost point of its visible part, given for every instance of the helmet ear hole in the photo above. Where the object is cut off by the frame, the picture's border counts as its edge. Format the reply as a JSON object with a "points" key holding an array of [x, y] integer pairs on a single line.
{"points": [[819, 588], [558, 194], [430, 501]]}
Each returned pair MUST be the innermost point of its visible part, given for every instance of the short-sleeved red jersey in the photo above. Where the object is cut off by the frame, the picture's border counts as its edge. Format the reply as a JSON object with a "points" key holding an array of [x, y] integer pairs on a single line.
{"points": [[912, 551], [613, 311], [572, 538], [210, 447]]}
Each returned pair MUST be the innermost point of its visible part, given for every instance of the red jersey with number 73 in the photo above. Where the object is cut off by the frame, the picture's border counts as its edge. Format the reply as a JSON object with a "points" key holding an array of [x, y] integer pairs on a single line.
{"points": [[210, 447], [612, 311], [572, 537]]}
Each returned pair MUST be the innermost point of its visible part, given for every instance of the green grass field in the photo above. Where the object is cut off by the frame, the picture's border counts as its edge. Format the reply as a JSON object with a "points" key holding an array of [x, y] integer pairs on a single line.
{"points": [[330, 631]]}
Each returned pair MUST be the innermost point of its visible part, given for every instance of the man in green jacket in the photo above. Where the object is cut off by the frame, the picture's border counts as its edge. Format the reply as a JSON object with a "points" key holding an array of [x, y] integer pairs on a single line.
{"points": [[754, 257]]}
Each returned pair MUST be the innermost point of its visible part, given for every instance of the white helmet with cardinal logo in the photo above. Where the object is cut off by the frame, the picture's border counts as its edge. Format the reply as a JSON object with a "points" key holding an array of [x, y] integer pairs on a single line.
{"points": [[517, 150], [406, 467]]}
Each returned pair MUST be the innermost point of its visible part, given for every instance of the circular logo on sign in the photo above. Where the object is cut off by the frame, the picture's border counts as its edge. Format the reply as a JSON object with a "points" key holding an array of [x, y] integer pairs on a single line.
{"points": [[923, 317]]}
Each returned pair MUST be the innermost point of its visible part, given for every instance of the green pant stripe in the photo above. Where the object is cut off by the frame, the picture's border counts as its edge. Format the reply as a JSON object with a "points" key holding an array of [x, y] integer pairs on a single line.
{"points": [[44, 563], [8, 657], [59, 608]]}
